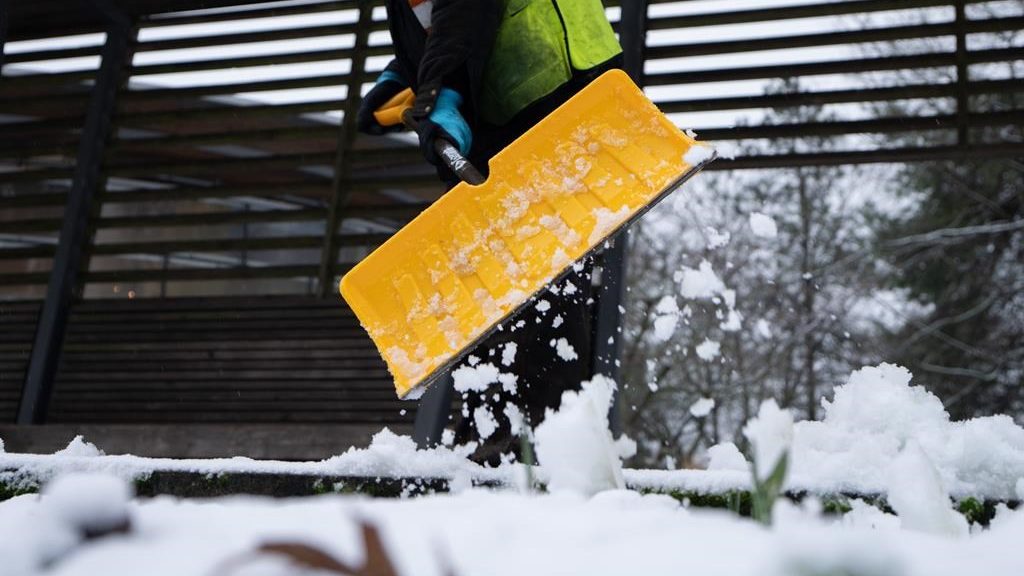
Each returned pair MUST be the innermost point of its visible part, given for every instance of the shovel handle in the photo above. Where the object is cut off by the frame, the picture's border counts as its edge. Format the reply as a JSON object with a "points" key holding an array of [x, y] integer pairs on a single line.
{"points": [[398, 110], [390, 113]]}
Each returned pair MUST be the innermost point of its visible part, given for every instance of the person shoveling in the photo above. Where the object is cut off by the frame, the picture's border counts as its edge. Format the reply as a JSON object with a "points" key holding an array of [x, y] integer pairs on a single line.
{"points": [[548, 151]]}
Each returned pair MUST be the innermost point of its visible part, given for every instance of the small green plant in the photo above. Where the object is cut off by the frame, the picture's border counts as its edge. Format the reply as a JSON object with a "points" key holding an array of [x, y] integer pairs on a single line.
{"points": [[835, 505], [8, 491], [770, 434], [526, 451], [766, 491]]}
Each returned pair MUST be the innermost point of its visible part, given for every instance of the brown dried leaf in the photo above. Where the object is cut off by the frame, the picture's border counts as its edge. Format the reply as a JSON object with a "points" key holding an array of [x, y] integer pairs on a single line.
{"points": [[377, 561], [308, 557]]}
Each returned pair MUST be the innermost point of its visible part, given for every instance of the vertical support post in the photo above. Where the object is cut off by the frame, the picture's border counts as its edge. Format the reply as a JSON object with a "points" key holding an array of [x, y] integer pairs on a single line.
{"points": [[5, 24], [343, 159], [433, 411], [607, 317], [67, 260], [962, 76]]}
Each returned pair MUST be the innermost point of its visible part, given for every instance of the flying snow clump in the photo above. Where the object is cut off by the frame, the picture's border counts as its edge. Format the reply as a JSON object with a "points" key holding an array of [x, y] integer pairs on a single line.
{"points": [[475, 378], [666, 318], [763, 225], [702, 407], [708, 350], [484, 421], [716, 239], [564, 350], [508, 353], [701, 283]]}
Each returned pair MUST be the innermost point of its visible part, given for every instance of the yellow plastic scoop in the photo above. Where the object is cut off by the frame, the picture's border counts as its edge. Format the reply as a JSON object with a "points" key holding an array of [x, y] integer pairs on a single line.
{"points": [[447, 279]]}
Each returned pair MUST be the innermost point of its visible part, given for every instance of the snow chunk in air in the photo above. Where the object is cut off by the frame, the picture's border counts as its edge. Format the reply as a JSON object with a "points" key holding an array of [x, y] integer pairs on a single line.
{"points": [[564, 350], [475, 378], [701, 283], [702, 407], [484, 421], [508, 353], [763, 225], [666, 318], [708, 350]]}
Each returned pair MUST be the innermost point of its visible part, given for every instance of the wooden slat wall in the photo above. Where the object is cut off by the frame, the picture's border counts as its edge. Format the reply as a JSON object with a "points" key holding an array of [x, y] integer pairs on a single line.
{"points": [[222, 360]]}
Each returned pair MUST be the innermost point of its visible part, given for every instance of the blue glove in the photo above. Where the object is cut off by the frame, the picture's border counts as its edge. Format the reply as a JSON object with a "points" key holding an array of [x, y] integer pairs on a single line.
{"points": [[388, 85], [445, 121]]}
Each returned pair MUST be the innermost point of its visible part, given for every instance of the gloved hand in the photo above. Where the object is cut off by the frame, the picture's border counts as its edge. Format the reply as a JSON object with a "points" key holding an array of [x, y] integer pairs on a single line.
{"points": [[444, 121], [388, 85]]}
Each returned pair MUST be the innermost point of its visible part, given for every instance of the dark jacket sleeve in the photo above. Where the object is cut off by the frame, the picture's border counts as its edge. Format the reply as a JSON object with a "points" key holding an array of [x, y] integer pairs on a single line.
{"points": [[459, 31], [396, 66]]}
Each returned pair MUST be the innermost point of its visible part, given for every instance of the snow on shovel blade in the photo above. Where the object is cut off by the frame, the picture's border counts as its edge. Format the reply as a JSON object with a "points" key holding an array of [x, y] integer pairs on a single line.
{"points": [[476, 256]]}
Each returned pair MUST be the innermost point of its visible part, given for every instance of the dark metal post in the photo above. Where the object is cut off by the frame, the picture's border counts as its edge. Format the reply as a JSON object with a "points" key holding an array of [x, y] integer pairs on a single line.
{"points": [[962, 76], [343, 159], [5, 24], [607, 318], [433, 412], [46, 350]]}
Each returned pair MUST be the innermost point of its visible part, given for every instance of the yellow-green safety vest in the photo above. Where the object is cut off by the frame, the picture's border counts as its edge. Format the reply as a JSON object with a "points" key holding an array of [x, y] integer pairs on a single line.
{"points": [[539, 43]]}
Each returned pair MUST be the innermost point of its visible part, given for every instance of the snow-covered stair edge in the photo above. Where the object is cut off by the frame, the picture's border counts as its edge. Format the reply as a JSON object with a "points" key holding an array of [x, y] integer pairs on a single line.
{"points": [[390, 460], [220, 476]]}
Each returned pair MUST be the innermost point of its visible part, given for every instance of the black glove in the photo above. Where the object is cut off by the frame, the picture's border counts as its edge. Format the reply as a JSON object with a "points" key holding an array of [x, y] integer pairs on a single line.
{"points": [[388, 85]]}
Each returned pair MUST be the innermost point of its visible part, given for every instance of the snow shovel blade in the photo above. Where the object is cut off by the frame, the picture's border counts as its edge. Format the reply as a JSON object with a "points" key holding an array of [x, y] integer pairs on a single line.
{"points": [[479, 254]]}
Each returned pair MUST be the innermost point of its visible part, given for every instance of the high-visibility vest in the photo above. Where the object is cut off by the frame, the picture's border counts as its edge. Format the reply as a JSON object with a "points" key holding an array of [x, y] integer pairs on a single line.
{"points": [[539, 43]]}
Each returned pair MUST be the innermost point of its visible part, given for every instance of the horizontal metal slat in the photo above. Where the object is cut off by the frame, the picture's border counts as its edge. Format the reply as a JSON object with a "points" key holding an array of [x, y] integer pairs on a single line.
{"points": [[171, 336], [234, 244], [784, 100], [61, 415], [832, 38], [874, 125], [789, 13], [931, 60], [196, 274], [880, 156]]}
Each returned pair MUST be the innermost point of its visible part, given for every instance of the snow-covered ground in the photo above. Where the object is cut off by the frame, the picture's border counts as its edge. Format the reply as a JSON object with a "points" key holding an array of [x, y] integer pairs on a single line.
{"points": [[493, 533], [880, 435]]}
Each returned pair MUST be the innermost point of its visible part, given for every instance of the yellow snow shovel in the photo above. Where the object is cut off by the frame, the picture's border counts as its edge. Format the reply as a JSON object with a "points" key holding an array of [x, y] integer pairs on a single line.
{"points": [[481, 252]]}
